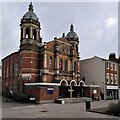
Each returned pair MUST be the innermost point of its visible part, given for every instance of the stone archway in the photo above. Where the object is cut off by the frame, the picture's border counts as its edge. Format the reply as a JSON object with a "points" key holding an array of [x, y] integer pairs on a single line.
{"points": [[73, 83], [81, 83], [63, 82], [81, 86], [63, 89]]}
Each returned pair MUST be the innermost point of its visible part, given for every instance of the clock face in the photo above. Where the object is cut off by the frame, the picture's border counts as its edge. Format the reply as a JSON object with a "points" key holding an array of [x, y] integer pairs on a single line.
{"points": [[63, 49]]}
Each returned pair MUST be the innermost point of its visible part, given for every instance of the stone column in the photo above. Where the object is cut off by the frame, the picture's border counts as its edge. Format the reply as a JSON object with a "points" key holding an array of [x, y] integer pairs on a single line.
{"points": [[45, 62], [56, 61], [37, 34], [73, 72], [31, 32], [24, 32], [78, 72], [78, 66], [45, 56]]}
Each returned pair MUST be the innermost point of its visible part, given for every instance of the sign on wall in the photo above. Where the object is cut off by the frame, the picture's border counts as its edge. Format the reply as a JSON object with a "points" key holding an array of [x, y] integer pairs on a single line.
{"points": [[49, 91]]}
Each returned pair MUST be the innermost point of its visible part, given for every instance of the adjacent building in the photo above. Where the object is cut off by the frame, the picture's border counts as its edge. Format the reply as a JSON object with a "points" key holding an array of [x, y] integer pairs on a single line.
{"points": [[99, 71], [0, 77], [112, 57], [0, 71]]}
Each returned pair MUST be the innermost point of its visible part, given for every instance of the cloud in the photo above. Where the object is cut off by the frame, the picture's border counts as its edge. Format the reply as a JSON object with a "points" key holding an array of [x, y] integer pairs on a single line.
{"points": [[110, 22]]}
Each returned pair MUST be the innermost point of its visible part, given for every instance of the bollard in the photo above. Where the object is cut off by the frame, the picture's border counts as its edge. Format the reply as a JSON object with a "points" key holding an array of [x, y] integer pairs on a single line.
{"points": [[88, 105]]}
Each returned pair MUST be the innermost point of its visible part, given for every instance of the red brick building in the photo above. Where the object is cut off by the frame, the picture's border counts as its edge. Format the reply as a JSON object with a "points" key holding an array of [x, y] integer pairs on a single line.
{"points": [[40, 68]]}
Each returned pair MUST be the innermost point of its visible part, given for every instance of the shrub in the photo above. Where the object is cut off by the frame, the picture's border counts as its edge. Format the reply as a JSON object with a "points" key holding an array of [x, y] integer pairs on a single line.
{"points": [[8, 95], [114, 108], [22, 97]]}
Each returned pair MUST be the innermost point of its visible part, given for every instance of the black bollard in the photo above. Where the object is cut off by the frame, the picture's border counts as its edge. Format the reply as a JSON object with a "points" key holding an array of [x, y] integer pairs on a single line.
{"points": [[88, 105]]}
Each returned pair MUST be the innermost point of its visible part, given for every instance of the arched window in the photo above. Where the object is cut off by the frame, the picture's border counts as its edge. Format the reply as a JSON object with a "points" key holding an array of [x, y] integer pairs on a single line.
{"points": [[50, 63], [76, 47], [63, 83], [73, 84], [34, 34], [60, 65], [75, 67], [27, 34], [65, 66], [21, 33]]}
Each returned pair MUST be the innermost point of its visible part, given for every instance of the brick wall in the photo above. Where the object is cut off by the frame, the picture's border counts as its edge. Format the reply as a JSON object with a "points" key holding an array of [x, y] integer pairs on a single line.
{"points": [[9, 79], [41, 93]]}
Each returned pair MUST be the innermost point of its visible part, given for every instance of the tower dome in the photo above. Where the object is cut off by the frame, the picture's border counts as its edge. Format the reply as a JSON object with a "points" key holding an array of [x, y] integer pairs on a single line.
{"points": [[30, 31], [30, 14], [72, 34]]}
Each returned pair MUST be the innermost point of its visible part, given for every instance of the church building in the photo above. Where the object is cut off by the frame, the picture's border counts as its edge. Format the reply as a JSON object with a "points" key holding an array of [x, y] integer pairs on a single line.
{"points": [[40, 68]]}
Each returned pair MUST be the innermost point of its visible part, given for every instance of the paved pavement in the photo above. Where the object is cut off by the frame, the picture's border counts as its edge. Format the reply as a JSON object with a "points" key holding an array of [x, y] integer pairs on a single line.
{"points": [[52, 110]]}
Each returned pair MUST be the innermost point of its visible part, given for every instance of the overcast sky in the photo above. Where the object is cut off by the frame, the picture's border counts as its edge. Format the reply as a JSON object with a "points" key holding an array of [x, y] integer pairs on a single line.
{"points": [[96, 24]]}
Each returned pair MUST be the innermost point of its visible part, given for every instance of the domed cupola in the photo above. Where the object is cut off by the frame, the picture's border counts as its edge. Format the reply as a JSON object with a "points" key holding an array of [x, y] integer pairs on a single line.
{"points": [[72, 35], [30, 31], [30, 14]]}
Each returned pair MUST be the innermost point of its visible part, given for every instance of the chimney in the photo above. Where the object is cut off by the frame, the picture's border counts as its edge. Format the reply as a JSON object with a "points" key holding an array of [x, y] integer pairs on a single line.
{"points": [[63, 35], [112, 57]]}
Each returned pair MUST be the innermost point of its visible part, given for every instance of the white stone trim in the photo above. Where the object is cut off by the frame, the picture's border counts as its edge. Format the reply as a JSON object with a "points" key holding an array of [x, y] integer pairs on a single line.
{"points": [[53, 84], [65, 81], [82, 82], [91, 85]]}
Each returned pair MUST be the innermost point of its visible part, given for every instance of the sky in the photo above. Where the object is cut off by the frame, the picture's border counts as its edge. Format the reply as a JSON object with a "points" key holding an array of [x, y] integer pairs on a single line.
{"points": [[96, 24]]}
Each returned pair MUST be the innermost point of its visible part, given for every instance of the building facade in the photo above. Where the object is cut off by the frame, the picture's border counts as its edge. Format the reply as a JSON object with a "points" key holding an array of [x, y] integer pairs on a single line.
{"points": [[39, 68], [112, 57], [0, 71], [98, 71]]}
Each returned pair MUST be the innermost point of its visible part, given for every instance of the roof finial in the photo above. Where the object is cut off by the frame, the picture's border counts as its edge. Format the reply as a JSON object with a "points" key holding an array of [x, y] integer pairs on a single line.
{"points": [[31, 7], [71, 27]]}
